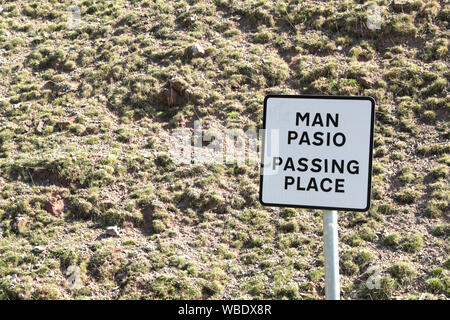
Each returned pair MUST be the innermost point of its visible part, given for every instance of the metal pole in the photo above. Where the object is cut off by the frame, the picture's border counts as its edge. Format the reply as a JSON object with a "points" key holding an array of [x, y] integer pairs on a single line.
{"points": [[330, 235]]}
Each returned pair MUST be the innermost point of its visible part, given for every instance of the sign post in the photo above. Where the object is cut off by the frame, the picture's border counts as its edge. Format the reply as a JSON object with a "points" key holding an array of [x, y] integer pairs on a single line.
{"points": [[317, 154], [330, 248]]}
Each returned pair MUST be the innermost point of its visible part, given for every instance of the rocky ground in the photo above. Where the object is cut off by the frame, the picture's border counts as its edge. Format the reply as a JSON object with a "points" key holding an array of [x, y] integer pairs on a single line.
{"points": [[93, 205]]}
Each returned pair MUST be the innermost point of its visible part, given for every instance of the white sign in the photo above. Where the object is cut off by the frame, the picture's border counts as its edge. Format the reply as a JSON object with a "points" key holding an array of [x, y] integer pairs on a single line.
{"points": [[317, 152]]}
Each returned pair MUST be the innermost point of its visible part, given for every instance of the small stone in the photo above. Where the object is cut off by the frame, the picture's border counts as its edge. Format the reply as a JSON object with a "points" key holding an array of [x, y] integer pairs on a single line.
{"points": [[38, 249], [68, 87], [149, 248], [178, 85], [366, 82], [18, 223], [22, 221], [235, 86], [106, 204], [402, 6], [40, 127], [339, 48], [195, 51], [170, 97], [28, 124], [64, 124], [190, 20], [112, 231], [55, 207], [49, 85], [1, 9]]}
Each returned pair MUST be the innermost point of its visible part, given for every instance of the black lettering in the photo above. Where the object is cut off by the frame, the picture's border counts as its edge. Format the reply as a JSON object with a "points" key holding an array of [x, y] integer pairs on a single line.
{"points": [[299, 187], [292, 135], [312, 185], [274, 162], [335, 165], [302, 165], [289, 164], [328, 139], [317, 120], [339, 185], [323, 188], [333, 120], [318, 137], [304, 138], [288, 181], [355, 168], [302, 118], [316, 164], [340, 134]]}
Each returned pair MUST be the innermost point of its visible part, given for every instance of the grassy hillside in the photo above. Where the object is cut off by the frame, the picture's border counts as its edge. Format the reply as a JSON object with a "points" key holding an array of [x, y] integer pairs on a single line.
{"points": [[85, 115]]}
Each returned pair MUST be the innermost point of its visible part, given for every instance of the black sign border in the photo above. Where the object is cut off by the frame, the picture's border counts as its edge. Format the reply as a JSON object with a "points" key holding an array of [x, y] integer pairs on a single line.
{"points": [[306, 96]]}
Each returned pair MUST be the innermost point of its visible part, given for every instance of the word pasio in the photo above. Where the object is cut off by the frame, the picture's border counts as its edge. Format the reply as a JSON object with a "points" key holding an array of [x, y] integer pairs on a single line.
{"points": [[317, 152]]}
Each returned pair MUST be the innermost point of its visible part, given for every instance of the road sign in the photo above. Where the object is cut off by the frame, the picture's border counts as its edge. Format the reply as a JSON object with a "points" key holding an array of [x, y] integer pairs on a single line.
{"points": [[317, 152]]}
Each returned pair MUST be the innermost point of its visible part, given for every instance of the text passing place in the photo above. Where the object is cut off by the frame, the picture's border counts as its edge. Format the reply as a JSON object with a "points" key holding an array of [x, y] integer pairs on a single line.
{"points": [[317, 152]]}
